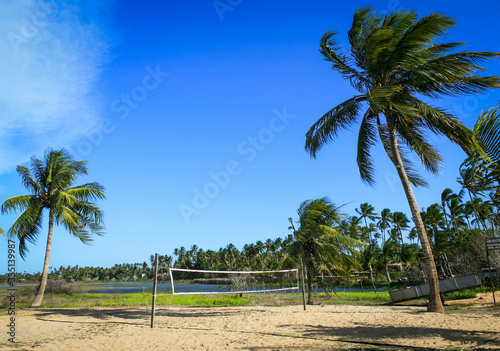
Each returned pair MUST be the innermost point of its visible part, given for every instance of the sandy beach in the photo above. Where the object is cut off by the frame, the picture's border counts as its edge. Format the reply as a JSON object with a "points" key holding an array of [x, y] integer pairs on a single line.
{"points": [[340, 327]]}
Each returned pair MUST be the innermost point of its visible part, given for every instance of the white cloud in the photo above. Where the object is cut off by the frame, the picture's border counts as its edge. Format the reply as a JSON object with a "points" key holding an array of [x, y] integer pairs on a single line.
{"points": [[52, 53]]}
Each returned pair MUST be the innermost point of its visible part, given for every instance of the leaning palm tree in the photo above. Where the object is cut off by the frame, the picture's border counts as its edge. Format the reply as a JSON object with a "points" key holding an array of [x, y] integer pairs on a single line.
{"points": [[394, 61], [318, 243], [51, 183]]}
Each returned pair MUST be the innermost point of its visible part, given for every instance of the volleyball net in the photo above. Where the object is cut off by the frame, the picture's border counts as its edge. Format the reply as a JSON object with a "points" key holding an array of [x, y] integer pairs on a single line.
{"points": [[192, 281]]}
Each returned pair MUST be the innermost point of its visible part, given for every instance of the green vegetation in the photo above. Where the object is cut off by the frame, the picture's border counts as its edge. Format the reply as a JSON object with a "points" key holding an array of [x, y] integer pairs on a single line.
{"points": [[319, 245], [467, 294]]}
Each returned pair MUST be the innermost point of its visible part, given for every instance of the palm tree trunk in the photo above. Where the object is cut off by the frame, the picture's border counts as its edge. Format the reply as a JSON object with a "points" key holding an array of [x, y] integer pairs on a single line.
{"points": [[371, 276], [388, 276], [368, 232], [309, 274], [476, 213], [445, 215], [435, 304], [37, 301]]}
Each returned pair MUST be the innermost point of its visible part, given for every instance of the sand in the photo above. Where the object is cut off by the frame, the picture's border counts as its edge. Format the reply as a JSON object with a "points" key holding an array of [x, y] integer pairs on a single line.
{"points": [[340, 327]]}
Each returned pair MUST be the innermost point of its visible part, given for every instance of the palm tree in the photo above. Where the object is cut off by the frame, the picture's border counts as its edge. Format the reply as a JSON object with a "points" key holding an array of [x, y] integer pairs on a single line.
{"points": [[469, 179], [412, 235], [369, 256], [384, 221], [367, 211], [445, 197], [319, 244], [394, 60], [400, 222], [387, 253], [434, 221], [51, 183]]}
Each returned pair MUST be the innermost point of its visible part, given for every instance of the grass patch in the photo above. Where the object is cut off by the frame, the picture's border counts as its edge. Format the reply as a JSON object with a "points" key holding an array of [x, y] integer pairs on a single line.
{"points": [[139, 299], [357, 298], [466, 294], [67, 299]]}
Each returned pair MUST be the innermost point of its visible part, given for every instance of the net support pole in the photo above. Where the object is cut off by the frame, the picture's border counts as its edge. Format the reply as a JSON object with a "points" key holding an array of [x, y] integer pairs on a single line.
{"points": [[171, 280], [489, 271], [155, 278], [303, 287]]}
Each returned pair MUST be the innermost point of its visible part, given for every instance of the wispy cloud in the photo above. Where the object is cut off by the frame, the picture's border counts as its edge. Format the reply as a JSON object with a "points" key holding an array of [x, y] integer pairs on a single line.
{"points": [[52, 53]]}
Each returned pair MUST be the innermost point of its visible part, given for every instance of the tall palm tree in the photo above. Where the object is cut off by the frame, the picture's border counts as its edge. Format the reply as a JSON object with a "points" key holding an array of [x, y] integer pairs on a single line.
{"points": [[394, 61], [319, 244], [51, 184]]}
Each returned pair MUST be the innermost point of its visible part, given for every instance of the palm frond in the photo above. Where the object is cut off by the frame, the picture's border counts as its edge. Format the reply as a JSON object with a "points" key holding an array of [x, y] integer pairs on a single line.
{"points": [[412, 174], [366, 139], [451, 74], [27, 226], [328, 126], [328, 48], [414, 138], [88, 192], [486, 135], [412, 45], [441, 122], [28, 181], [19, 203]]}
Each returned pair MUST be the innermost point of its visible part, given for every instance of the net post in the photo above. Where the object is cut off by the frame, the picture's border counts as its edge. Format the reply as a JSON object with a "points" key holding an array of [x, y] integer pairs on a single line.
{"points": [[154, 291], [303, 288], [489, 270], [171, 280]]}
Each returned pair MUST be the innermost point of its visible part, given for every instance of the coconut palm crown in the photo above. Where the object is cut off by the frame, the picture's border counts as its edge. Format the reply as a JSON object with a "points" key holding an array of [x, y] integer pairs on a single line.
{"points": [[395, 62]]}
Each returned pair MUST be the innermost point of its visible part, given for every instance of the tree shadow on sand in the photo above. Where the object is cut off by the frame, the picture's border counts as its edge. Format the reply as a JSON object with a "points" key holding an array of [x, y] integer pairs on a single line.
{"points": [[130, 315], [384, 335]]}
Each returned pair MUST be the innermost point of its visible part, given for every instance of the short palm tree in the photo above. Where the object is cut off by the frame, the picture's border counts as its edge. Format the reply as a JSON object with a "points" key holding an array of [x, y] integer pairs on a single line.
{"points": [[394, 61], [51, 184], [318, 243]]}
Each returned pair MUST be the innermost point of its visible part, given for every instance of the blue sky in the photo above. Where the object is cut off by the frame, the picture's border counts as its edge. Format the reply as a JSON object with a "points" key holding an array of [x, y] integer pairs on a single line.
{"points": [[192, 114]]}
